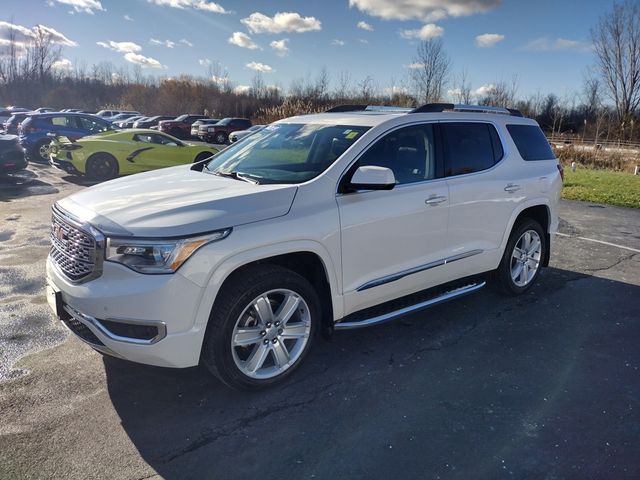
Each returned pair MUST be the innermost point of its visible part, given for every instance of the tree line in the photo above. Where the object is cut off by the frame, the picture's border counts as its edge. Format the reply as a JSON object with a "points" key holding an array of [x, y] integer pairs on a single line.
{"points": [[35, 75]]}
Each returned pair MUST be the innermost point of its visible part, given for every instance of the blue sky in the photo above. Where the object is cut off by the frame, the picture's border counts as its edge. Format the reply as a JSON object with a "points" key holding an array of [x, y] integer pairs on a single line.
{"points": [[545, 43]]}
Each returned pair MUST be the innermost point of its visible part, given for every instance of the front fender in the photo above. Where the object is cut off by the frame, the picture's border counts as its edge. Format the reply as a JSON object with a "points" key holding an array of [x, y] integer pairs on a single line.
{"points": [[230, 264]]}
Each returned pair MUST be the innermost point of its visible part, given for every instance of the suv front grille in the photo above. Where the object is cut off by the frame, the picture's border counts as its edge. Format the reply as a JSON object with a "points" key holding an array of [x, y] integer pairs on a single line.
{"points": [[73, 250]]}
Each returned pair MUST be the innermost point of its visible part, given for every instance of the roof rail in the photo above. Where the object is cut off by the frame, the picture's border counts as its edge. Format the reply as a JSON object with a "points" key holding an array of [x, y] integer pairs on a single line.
{"points": [[442, 107], [347, 108], [368, 108]]}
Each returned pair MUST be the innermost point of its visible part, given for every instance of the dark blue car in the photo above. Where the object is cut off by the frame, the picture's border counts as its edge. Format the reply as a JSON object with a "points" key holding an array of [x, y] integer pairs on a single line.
{"points": [[34, 130]]}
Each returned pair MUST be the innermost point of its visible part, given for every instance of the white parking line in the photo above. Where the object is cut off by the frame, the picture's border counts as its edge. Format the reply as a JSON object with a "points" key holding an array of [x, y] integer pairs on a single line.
{"points": [[599, 241]]}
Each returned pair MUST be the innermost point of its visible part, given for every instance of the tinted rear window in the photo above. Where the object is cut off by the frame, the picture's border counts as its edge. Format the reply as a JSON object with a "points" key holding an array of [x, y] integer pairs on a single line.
{"points": [[531, 142], [470, 147]]}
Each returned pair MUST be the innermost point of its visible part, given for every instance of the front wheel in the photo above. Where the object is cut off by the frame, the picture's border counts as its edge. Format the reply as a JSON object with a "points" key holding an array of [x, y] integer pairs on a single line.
{"points": [[40, 151], [522, 258], [261, 327]]}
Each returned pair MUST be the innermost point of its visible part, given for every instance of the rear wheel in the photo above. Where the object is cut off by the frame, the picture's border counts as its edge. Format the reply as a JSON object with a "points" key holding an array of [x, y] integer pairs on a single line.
{"points": [[202, 156], [102, 166], [522, 258], [40, 150], [261, 327]]}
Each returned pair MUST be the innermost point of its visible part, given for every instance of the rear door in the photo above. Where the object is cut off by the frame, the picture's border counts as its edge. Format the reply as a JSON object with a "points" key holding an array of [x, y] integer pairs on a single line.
{"points": [[484, 191]]}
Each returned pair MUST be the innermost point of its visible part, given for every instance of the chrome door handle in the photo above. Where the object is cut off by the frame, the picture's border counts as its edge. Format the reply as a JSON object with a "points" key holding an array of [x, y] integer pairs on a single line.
{"points": [[512, 187], [435, 200]]}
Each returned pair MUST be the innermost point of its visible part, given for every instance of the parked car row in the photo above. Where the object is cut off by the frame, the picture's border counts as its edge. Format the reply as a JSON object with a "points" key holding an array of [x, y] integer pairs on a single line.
{"points": [[111, 142]]}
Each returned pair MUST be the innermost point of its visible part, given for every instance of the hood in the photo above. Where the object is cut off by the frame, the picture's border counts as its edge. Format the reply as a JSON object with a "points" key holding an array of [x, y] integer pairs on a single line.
{"points": [[176, 202]]}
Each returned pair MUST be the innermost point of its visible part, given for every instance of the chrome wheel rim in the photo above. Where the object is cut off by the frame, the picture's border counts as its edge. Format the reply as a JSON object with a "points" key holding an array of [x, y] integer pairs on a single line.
{"points": [[44, 150], [525, 258], [271, 334]]}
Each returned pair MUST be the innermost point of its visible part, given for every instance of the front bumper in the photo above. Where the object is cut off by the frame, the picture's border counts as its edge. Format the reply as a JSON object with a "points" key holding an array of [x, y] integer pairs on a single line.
{"points": [[148, 319]]}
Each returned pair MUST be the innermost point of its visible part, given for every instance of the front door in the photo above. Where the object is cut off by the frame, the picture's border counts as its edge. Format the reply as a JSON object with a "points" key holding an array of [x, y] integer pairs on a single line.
{"points": [[393, 240]]}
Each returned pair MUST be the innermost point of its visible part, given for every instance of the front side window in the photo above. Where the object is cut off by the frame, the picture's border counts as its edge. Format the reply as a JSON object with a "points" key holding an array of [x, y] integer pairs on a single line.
{"points": [[470, 147], [93, 125], [409, 152], [285, 153]]}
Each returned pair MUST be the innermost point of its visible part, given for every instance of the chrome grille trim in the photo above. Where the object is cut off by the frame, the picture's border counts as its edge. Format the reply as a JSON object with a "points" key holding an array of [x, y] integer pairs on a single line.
{"points": [[77, 248]]}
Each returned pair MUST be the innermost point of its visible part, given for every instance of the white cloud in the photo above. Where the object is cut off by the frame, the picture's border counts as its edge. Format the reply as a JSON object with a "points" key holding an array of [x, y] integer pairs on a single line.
{"points": [[128, 18], [415, 66], [337, 42], [242, 89], [63, 64], [362, 40], [185, 42], [205, 5], [365, 26], [166, 43], [281, 22], [23, 35], [395, 90], [220, 80], [142, 60], [83, 6], [425, 10], [281, 47], [242, 40], [205, 62], [430, 30], [260, 67], [454, 92], [484, 90], [488, 40], [545, 44], [121, 47]]}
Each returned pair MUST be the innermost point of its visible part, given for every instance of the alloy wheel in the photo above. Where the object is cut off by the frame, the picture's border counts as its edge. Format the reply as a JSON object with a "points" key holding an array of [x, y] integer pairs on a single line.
{"points": [[525, 258]]}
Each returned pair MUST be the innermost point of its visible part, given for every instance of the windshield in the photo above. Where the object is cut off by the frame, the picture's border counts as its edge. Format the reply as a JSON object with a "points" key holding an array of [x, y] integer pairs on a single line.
{"points": [[285, 153], [181, 118]]}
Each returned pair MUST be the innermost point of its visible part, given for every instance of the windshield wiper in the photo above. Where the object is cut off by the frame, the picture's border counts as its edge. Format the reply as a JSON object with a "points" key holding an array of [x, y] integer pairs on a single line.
{"points": [[235, 176]]}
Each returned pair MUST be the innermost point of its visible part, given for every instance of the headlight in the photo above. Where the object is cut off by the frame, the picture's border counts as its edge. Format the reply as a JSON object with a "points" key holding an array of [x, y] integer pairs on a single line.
{"points": [[158, 256]]}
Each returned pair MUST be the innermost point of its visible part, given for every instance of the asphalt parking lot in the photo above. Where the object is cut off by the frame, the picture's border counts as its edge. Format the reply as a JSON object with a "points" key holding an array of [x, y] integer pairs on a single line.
{"points": [[546, 385]]}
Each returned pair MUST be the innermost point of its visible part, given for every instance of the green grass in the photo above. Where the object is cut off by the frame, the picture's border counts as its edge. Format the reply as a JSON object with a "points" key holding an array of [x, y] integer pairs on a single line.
{"points": [[602, 186]]}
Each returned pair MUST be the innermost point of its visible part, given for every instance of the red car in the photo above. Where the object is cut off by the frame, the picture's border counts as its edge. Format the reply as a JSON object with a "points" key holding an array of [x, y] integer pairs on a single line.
{"points": [[219, 133], [179, 127]]}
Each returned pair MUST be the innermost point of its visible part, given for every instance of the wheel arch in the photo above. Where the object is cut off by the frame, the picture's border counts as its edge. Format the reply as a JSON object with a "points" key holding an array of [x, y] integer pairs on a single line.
{"points": [[306, 258], [538, 210]]}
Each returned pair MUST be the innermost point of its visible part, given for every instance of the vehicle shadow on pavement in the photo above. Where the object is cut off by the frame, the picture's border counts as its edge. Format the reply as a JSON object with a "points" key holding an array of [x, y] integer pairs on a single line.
{"points": [[24, 183], [486, 385]]}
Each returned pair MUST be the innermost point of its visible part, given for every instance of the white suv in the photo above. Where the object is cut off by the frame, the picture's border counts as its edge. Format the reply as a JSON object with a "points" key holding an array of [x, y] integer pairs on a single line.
{"points": [[319, 222]]}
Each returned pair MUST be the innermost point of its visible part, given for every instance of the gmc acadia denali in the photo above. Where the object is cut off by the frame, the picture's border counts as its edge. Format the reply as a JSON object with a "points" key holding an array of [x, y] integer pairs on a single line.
{"points": [[319, 222]]}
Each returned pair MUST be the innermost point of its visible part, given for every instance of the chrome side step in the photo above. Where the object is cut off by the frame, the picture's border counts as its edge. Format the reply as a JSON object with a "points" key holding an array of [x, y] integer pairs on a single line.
{"points": [[455, 293]]}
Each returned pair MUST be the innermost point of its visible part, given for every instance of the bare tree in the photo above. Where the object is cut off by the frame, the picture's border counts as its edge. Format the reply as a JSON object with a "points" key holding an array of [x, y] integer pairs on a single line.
{"points": [[502, 93], [616, 40], [462, 88], [343, 88], [431, 70]]}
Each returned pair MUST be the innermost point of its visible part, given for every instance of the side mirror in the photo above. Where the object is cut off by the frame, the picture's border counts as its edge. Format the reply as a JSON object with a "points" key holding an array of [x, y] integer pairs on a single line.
{"points": [[372, 178]]}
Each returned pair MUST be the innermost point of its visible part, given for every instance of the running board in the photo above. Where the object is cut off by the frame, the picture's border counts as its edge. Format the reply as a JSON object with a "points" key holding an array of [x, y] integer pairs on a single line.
{"points": [[387, 317]]}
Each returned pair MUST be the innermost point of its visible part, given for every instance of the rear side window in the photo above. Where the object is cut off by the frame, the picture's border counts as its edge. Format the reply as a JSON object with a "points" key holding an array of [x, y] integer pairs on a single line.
{"points": [[531, 142], [470, 147]]}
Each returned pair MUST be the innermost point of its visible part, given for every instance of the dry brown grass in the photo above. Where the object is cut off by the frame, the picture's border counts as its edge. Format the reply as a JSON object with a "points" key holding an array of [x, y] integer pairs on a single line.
{"points": [[616, 160]]}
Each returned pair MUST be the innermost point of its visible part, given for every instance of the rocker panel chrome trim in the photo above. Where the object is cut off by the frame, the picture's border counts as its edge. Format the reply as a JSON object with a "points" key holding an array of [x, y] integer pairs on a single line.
{"points": [[421, 268]]}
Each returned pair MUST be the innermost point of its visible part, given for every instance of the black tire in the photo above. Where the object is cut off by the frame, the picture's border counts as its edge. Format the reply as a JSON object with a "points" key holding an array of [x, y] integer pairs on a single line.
{"points": [[235, 297], [102, 166], [220, 138], [38, 150], [502, 278], [202, 156]]}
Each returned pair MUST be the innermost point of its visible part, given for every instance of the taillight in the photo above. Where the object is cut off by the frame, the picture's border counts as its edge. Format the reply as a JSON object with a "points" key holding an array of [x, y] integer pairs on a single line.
{"points": [[561, 170]]}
